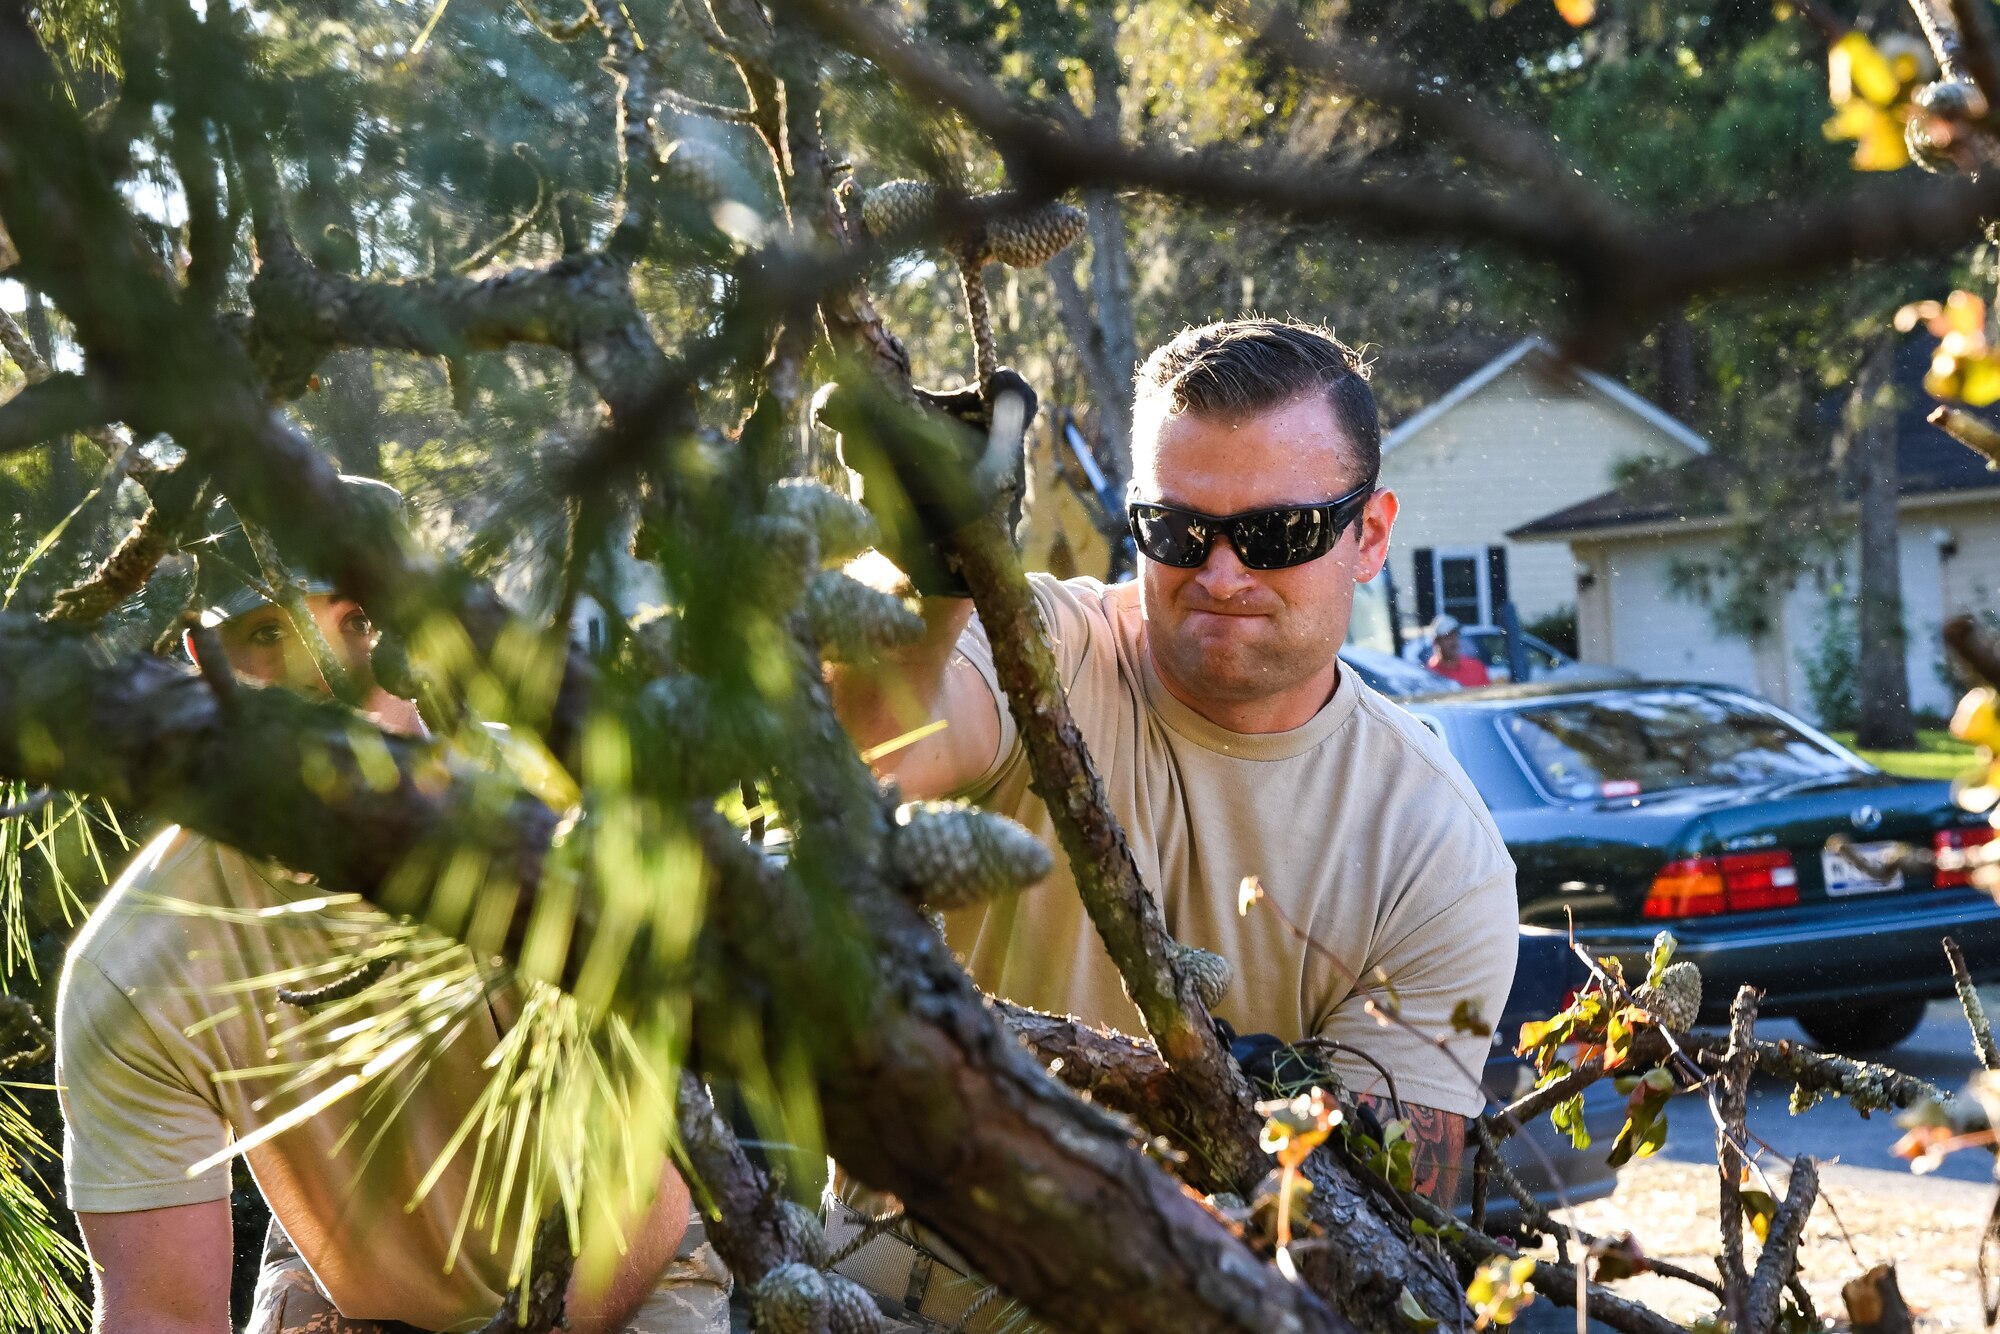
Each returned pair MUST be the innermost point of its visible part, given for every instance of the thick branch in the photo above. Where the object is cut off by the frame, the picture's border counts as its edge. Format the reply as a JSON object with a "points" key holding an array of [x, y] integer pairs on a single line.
{"points": [[1781, 1246], [49, 409], [1624, 274], [745, 1229], [1124, 911]]}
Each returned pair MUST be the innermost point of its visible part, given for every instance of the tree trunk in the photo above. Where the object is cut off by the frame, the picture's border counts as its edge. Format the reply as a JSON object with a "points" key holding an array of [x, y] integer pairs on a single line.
{"points": [[1882, 680], [1678, 376]]}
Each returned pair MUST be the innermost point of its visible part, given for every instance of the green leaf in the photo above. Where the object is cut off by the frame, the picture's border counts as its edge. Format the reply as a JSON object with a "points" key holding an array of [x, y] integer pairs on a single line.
{"points": [[1413, 1311], [1567, 1116], [1664, 946]]}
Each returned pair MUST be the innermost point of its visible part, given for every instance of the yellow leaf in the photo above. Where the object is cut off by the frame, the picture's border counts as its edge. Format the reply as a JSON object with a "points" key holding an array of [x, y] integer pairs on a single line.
{"points": [[1965, 313], [1981, 383], [1576, 13], [1855, 66]]}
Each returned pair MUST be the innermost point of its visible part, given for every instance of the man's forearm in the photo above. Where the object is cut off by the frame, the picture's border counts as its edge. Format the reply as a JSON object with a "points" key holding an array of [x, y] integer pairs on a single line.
{"points": [[1437, 1142]]}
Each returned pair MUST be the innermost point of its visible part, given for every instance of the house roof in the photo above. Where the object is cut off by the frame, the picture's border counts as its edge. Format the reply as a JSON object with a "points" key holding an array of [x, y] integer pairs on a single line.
{"points": [[1652, 414], [1928, 463]]}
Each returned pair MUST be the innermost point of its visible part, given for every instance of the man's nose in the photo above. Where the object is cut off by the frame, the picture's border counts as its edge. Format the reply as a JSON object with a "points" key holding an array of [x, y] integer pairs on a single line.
{"points": [[1224, 575]]}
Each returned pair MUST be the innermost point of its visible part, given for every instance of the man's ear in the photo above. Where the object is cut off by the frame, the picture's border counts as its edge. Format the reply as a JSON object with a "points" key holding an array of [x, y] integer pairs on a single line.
{"points": [[1377, 519]]}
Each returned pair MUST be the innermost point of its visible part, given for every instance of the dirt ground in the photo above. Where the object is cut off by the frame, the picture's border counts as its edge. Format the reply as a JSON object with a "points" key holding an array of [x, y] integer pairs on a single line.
{"points": [[1929, 1228]]}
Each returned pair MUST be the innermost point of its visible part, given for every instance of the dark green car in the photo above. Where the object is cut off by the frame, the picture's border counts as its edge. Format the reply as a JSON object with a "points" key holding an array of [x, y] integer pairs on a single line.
{"points": [[1776, 856]]}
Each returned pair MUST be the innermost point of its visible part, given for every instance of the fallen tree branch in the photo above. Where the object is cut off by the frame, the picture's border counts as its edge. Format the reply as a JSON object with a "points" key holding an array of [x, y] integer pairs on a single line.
{"points": [[1975, 1013], [1733, 1103], [1781, 1245]]}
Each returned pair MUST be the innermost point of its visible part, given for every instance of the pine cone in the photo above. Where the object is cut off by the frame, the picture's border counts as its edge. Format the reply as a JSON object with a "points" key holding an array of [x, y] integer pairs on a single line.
{"points": [[844, 528], [1676, 1001], [896, 210], [849, 1308], [804, 1238], [1209, 971], [956, 855], [852, 621], [1032, 239], [786, 558], [791, 1299]]}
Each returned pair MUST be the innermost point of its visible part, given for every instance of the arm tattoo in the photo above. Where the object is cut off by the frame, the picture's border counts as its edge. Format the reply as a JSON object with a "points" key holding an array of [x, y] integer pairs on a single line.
{"points": [[1438, 1141]]}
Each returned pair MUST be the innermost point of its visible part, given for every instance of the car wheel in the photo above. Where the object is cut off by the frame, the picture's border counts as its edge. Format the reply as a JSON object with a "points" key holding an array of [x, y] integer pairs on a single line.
{"points": [[1863, 1026]]}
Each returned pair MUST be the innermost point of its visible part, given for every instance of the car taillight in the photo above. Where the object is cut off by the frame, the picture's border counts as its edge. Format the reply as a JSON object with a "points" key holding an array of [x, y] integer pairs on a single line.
{"points": [[1733, 882], [1954, 868]]}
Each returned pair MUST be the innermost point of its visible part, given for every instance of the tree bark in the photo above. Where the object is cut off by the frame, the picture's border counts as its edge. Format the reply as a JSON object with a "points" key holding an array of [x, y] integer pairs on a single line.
{"points": [[1882, 678]]}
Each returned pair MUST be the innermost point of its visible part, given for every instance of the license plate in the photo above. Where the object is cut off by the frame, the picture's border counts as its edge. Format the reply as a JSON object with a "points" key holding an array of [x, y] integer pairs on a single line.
{"points": [[1843, 877]]}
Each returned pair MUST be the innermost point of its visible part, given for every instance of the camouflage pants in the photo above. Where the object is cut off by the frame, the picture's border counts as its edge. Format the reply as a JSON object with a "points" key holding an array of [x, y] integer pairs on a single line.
{"points": [[923, 1288], [692, 1296]]}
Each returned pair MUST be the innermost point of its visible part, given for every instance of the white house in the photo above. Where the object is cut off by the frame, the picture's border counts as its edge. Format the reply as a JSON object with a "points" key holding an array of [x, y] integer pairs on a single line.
{"points": [[1629, 555], [1527, 434]]}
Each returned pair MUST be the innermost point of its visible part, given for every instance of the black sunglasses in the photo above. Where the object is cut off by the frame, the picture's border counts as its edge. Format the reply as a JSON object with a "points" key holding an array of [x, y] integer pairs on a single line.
{"points": [[1271, 539]]}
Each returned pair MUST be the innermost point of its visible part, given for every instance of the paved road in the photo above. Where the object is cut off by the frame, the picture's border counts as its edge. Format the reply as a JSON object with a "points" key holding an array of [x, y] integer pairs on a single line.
{"points": [[1940, 1051]]}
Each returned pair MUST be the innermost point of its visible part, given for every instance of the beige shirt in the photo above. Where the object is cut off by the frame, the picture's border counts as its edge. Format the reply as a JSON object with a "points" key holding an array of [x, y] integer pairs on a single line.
{"points": [[1359, 824], [158, 1007]]}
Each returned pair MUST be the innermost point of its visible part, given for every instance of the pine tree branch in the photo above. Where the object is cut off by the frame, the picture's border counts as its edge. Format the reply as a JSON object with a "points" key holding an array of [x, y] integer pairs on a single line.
{"points": [[46, 411]]}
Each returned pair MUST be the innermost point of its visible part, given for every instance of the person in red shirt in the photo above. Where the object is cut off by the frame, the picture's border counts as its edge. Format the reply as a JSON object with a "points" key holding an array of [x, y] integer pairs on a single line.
{"points": [[1448, 662]]}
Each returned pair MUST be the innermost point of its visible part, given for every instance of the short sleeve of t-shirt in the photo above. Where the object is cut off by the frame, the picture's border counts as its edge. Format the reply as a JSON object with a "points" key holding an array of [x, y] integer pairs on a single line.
{"points": [[1079, 634], [132, 1126], [1431, 967]]}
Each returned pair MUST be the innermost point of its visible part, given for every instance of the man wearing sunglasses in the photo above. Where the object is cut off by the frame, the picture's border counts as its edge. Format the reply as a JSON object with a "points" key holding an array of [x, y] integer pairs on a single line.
{"points": [[1233, 745]]}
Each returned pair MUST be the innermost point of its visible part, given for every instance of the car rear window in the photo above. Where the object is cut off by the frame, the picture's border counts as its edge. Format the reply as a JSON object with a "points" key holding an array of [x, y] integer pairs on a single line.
{"points": [[1629, 744]]}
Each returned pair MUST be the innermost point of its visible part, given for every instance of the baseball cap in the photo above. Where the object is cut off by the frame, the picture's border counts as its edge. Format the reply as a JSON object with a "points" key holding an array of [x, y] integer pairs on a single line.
{"points": [[1444, 625], [227, 573]]}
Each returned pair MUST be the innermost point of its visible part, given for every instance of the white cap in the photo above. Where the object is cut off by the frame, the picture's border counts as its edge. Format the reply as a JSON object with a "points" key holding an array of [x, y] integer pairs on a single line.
{"points": [[1444, 625]]}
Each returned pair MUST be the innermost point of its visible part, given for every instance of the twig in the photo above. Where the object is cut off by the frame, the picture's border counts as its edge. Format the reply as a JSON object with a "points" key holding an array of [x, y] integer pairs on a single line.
{"points": [[1734, 1098], [212, 662], [684, 105], [719, 41], [351, 983], [1781, 1245], [1969, 431], [567, 31], [1975, 1013], [1803, 1298]]}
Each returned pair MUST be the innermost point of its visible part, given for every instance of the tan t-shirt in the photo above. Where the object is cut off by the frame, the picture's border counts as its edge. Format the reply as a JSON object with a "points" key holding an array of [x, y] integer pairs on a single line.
{"points": [[1359, 824], [159, 1005]]}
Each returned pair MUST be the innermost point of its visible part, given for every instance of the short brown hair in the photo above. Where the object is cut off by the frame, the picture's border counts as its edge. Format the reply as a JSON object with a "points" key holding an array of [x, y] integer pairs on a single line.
{"points": [[1256, 365]]}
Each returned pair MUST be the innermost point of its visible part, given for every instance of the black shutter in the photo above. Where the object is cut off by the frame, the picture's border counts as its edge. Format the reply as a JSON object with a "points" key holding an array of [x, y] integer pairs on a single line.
{"points": [[1427, 589], [1496, 579]]}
